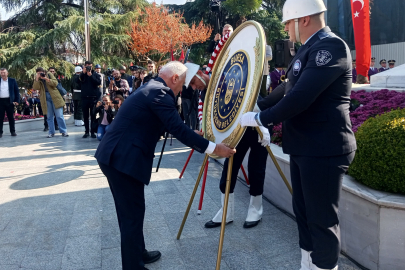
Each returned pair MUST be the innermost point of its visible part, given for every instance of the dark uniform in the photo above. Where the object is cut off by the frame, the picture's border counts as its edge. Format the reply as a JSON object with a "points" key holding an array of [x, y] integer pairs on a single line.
{"points": [[90, 94], [76, 88], [381, 69], [318, 137], [372, 70], [354, 72], [275, 78], [125, 155], [256, 164]]}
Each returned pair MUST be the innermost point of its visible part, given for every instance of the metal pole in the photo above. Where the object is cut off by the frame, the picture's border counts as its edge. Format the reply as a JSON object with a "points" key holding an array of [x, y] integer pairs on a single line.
{"points": [[225, 209], [87, 29], [161, 153], [192, 197]]}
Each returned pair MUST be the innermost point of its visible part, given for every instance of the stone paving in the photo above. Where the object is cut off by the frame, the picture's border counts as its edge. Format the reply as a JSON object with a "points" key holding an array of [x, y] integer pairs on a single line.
{"points": [[57, 212]]}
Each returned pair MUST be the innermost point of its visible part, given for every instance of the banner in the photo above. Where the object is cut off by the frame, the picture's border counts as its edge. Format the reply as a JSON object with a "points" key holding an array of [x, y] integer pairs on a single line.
{"points": [[361, 25]]}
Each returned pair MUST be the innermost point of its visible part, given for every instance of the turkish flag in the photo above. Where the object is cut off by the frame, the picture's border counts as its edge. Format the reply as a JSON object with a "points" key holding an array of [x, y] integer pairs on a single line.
{"points": [[361, 25]]}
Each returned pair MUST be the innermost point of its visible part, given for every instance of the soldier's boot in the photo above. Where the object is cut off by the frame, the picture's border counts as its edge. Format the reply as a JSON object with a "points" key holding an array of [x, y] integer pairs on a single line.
{"points": [[255, 212], [306, 260], [216, 221]]}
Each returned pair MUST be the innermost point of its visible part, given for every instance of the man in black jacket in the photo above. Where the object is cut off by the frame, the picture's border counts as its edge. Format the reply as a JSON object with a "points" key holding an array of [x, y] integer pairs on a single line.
{"points": [[76, 89], [151, 72], [125, 154], [9, 97], [213, 44], [90, 82], [317, 130]]}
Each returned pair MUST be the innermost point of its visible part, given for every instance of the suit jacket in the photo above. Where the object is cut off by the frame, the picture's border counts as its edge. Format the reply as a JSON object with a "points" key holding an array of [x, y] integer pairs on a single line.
{"points": [[315, 108], [130, 142], [381, 69], [12, 89], [354, 75]]}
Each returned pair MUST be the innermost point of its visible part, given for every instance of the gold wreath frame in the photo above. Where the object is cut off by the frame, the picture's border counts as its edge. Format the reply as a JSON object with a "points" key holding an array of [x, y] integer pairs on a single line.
{"points": [[260, 49]]}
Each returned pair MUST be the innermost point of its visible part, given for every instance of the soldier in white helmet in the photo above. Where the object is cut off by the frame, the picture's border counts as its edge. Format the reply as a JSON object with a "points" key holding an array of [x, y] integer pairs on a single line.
{"points": [[317, 131], [76, 89]]}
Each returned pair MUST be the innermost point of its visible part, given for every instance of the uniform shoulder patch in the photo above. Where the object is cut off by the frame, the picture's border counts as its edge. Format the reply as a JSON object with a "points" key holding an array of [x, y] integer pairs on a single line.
{"points": [[323, 57]]}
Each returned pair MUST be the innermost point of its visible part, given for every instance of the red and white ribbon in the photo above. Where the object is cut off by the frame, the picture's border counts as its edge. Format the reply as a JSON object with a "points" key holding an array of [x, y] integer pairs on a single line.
{"points": [[216, 52]]}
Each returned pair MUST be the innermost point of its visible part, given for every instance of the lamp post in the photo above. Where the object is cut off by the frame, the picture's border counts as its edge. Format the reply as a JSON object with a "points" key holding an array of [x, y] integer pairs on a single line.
{"points": [[87, 29]]}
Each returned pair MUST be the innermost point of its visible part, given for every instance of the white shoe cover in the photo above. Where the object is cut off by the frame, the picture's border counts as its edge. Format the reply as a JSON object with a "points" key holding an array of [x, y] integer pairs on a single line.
{"points": [[255, 211], [229, 212], [306, 260]]}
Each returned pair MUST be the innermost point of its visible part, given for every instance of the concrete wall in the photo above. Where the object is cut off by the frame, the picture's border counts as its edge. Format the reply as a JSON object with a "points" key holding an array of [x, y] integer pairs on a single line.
{"points": [[32, 124], [372, 222]]}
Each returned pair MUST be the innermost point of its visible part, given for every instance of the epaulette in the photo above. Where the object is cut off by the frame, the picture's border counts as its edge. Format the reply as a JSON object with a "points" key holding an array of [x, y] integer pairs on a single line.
{"points": [[323, 35]]}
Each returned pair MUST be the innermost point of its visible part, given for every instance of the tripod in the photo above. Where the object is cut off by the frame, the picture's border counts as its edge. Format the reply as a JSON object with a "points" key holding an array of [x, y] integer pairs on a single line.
{"points": [[227, 189]]}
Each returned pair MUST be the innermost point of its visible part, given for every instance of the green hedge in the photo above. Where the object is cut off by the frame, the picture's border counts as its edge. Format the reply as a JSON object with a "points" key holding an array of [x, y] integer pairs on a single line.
{"points": [[380, 158]]}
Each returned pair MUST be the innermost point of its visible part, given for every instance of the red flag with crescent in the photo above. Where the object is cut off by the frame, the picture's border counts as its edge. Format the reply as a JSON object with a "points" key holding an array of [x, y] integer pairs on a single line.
{"points": [[361, 25]]}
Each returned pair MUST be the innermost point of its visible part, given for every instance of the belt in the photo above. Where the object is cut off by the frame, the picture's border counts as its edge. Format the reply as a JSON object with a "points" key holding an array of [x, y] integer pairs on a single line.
{"points": [[77, 91]]}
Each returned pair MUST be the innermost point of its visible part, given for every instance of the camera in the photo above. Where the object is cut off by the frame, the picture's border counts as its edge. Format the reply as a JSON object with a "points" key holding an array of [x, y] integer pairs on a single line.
{"points": [[115, 102], [88, 68], [42, 75], [102, 103]]}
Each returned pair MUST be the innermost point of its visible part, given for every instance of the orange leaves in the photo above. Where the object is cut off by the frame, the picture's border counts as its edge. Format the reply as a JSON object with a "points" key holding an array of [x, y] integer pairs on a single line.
{"points": [[158, 31]]}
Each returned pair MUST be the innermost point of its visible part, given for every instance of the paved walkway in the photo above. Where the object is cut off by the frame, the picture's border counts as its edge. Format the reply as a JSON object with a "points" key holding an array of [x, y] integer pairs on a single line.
{"points": [[57, 212]]}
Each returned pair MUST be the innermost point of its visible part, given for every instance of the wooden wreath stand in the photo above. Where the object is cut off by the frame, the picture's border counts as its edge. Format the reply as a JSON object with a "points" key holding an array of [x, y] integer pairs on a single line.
{"points": [[227, 188]]}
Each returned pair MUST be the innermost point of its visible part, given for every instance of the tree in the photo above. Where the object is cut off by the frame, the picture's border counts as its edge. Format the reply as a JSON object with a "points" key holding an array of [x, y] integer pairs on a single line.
{"points": [[156, 32], [51, 33], [242, 8]]}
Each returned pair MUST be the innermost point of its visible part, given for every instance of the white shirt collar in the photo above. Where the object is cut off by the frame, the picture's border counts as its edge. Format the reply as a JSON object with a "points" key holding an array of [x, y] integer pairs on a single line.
{"points": [[4, 80], [310, 37]]}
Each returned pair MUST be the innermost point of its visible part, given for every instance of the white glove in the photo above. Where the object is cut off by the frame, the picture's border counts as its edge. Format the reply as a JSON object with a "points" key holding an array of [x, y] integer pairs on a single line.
{"points": [[265, 141], [248, 120]]}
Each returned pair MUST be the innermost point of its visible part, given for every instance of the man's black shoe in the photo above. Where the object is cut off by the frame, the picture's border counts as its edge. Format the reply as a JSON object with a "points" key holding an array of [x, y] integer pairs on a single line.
{"points": [[151, 256], [211, 224], [86, 135], [251, 224], [93, 135], [1, 135], [46, 129], [13, 134], [57, 128]]}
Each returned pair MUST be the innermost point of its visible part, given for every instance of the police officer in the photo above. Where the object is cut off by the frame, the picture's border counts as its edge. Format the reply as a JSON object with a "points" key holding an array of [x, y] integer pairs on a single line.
{"points": [[317, 131], [354, 71], [76, 89], [373, 70], [383, 64], [391, 64]]}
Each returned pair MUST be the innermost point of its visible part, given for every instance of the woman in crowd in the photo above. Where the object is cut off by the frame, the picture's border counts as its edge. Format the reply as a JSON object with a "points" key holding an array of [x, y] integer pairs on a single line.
{"points": [[118, 100], [137, 81], [105, 116], [51, 100]]}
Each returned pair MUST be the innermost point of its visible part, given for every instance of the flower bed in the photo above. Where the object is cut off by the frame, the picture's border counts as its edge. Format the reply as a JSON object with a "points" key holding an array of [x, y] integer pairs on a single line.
{"points": [[22, 117], [364, 105]]}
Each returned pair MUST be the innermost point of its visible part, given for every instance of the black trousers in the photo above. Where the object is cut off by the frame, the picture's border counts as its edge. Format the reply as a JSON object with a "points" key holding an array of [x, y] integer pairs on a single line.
{"points": [[129, 198], [88, 105], [7, 107], [316, 184], [256, 164]]}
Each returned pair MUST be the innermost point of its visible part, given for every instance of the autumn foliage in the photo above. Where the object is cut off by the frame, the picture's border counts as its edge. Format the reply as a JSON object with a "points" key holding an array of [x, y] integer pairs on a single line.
{"points": [[158, 32]]}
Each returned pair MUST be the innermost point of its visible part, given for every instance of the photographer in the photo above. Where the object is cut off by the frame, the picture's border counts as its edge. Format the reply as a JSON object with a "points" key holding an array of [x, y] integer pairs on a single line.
{"points": [[118, 86], [213, 44], [90, 82], [118, 100], [51, 101], [105, 116]]}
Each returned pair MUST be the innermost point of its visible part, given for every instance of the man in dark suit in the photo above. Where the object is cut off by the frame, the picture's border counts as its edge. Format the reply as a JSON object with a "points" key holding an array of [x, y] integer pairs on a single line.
{"points": [[133, 136], [373, 70], [9, 97], [317, 130], [275, 78]]}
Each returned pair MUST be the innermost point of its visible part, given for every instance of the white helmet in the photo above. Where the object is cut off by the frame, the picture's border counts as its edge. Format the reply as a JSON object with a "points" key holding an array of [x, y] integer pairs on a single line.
{"points": [[192, 70], [78, 69], [294, 9]]}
